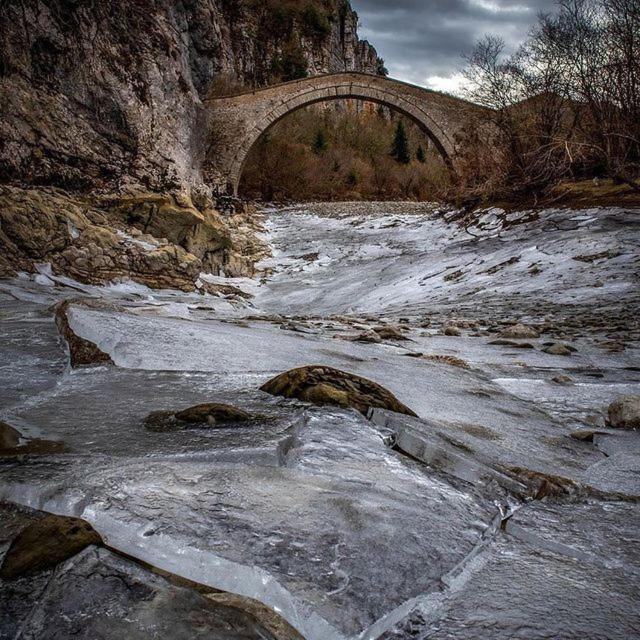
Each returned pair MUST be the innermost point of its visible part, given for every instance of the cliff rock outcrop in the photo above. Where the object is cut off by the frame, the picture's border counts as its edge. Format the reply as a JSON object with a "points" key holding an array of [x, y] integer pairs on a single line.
{"points": [[106, 93]]}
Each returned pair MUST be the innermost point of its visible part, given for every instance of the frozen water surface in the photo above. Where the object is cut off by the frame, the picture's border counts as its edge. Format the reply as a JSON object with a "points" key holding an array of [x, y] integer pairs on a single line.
{"points": [[388, 527]]}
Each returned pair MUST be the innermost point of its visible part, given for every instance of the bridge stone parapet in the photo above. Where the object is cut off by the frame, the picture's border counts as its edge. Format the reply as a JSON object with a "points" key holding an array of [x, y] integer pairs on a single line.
{"points": [[231, 125]]}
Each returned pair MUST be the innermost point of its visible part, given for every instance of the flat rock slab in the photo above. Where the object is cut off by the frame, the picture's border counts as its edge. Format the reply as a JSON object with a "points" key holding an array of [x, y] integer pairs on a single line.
{"points": [[98, 594], [520, 444]]}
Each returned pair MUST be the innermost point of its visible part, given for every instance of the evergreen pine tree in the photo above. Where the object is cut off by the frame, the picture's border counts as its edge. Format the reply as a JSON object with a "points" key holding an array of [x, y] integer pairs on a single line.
{"points": [[320, 143], [400, 148], [421, 156]]}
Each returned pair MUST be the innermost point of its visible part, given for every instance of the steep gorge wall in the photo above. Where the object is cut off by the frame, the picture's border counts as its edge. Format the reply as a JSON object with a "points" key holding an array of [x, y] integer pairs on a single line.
{"points": [[105, 94]]}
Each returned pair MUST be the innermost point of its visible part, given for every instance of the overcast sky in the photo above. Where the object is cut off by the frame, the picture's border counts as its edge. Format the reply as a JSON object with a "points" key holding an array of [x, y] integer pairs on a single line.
{"points": [[422, 40]]}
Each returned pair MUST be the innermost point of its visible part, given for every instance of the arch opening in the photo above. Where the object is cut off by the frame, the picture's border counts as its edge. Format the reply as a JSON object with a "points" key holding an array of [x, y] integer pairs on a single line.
{"points": [[426, 146]]}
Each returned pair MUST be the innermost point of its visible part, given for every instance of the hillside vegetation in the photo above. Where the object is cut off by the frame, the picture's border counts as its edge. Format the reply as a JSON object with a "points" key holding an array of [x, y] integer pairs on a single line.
{"points": [[351, 153]]}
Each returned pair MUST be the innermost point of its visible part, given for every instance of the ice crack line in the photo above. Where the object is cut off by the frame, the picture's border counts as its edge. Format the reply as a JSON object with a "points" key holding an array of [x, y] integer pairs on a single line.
{"points": [[430, 605]]}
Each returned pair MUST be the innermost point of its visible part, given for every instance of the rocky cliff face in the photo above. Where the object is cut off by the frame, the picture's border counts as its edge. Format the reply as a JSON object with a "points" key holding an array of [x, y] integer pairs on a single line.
{"points": [[105, 93], [100, 102]]}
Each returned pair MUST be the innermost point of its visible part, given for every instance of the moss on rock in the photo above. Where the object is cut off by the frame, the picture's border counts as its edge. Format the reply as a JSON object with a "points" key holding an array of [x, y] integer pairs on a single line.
{"points": [[322, 385]]}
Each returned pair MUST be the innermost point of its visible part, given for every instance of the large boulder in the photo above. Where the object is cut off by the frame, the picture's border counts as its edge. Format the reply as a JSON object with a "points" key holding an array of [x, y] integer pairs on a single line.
{"points": [[323, 385], [35, 224], [160, 240], [99, 255], [45, 543], [624, 413]]}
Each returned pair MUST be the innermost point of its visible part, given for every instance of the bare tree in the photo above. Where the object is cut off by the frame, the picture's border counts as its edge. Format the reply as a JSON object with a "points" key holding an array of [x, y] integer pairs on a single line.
{"points": [[567, 103]]}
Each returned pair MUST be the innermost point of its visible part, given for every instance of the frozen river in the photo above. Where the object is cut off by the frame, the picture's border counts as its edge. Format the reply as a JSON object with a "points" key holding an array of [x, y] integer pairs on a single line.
{"points": [[484, 517]]}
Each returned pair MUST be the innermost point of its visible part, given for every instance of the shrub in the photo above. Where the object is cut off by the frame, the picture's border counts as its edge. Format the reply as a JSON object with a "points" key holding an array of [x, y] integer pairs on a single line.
{"points": [[315, 23]]}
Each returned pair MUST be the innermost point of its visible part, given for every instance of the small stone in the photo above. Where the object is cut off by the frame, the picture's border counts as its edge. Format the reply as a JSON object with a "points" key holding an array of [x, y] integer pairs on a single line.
{"points": [[202, 415], [451, 330], [624, 413], [368, 336], [563, 380], [213, 413], [520, 331], [298, 328], [559, 349], [390, 333], [511, 343], [586, 435], [450, 360]]}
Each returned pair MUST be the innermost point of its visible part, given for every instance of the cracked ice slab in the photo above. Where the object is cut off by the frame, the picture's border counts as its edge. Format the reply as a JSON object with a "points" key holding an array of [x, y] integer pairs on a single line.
{"points": [[386, 262], [562, 570], [345, 532]]}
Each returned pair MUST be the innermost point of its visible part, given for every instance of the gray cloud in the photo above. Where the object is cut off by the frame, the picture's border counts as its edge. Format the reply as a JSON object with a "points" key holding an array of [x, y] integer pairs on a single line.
{"points": [[423, 40]]}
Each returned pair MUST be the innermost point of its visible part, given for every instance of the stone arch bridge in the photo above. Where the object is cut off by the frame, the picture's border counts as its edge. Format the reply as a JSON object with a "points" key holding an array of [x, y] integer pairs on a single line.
{"points": [[232, 125]]}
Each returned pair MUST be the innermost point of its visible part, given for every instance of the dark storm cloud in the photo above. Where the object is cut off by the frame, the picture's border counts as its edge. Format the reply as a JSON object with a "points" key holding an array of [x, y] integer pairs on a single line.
{"points": [[422, 40]]}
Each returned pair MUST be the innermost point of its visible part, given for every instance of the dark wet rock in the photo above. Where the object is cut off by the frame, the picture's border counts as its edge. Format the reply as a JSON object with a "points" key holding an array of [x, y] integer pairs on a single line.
{"points": [[368, 336], [456, 275], [82, 352], [390, 333], [9, 437], [203, 415], [624, 413], [96, 593], [563, 380], [45, 543], [14, 444], [327, 386], [267, 617], [34, 447], [520, 332], [559, 349], [212, 413], [502, 342], [99, 594], [544, 484]]}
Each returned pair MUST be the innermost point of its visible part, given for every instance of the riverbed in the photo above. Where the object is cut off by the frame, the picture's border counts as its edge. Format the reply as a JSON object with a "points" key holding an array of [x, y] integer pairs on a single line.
{"points": [[506, 509]]}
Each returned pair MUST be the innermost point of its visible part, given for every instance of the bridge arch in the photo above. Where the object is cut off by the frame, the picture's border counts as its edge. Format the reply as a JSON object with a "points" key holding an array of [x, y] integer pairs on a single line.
{"points": [[237, 122]]}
